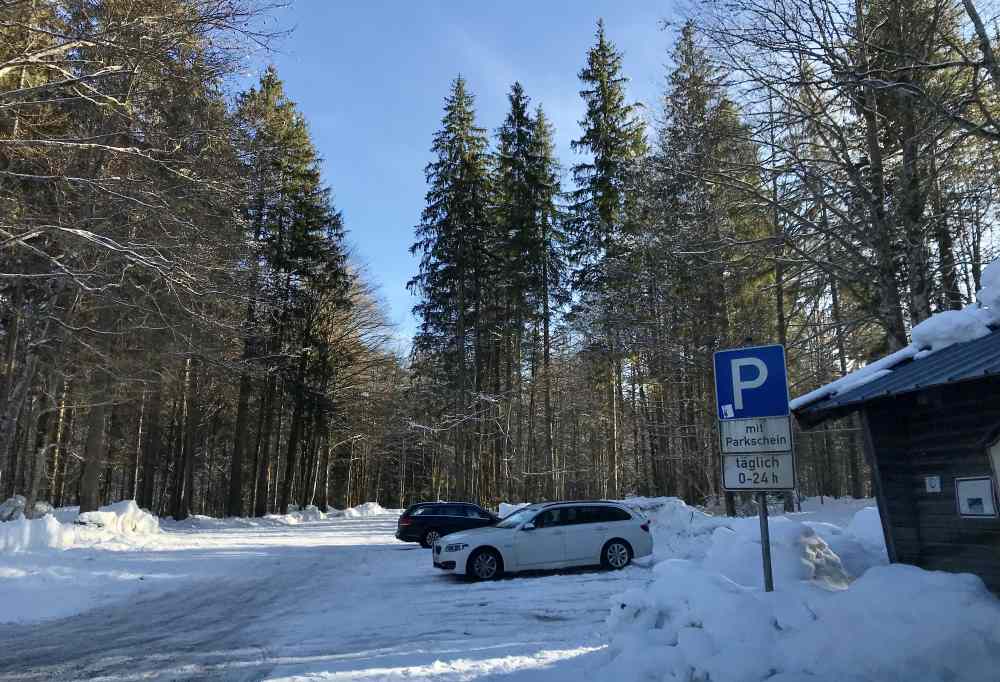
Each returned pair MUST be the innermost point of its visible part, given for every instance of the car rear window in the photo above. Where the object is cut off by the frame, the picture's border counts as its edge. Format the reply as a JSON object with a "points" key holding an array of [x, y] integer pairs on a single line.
{"points": [[588, 515], [615, 514]]}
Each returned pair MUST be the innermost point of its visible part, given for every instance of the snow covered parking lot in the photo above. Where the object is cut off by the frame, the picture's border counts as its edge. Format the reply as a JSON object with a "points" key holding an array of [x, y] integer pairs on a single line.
{"points": [[311, 597], [336, 599]]}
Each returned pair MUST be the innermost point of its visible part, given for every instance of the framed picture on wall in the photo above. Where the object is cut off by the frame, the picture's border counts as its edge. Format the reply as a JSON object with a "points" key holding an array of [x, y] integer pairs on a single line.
{"points": [[975, 496], [995, 461]]}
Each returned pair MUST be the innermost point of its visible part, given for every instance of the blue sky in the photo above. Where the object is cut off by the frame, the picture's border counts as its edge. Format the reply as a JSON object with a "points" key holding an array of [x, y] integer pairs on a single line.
{"points": [[371, 77]]}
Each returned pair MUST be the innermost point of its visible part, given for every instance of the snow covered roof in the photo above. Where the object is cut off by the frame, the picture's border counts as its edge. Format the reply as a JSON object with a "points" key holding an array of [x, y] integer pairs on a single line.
{"points": [[959, 362], [948, 347]]}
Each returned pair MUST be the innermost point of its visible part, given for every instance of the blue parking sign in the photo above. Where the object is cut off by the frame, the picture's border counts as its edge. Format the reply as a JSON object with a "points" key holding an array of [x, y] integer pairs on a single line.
{"points": [[751, 382]]}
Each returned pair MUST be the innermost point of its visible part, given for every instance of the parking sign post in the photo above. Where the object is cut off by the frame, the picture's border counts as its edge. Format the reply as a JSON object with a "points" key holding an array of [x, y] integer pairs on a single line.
{"points": [[765, 542], [755, 432]]}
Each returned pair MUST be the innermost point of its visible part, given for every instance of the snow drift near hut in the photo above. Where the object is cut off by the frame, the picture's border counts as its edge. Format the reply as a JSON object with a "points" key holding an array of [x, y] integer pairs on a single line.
{"points": [[704, 616]]}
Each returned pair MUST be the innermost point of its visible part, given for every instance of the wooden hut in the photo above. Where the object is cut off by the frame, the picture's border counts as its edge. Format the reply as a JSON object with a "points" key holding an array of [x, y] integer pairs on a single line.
{"points": [[931, 426]]}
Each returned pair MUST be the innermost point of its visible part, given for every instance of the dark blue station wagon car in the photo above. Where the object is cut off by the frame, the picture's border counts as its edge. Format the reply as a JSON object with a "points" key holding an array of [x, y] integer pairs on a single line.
{"points": [[427, 521]]}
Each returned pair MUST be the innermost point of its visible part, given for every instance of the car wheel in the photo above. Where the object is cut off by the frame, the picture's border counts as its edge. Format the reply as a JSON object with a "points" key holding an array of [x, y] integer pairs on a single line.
{"points": [[430, 537], [616, 555], [485, 564]]}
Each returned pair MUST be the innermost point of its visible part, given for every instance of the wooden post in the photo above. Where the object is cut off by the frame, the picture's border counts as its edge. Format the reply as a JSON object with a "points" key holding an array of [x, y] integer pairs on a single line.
{"points": [[883, 506]]}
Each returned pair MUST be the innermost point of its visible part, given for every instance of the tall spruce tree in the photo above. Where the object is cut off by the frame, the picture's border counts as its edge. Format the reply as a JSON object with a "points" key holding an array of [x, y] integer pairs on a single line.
{"points": [[602, 219], [455, 238], [547, 264], [697, 221], [614, 139], [295, 262], [515, 214], [529, 226]]}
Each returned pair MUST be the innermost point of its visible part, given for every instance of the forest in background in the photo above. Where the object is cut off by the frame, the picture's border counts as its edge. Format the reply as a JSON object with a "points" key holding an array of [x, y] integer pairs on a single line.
{"points": [[181, 320]]}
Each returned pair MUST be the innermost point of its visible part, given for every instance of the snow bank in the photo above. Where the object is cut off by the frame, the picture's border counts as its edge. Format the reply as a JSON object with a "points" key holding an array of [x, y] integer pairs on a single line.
{"points": [[122, 522], [839, 612], [805, 544], [12, 508], [694, 624], [647, 504], [797, 553], [27, 534], [368, 509], [506, 508], [867, 527], [310, 514], [122, 518], [680, 531]]}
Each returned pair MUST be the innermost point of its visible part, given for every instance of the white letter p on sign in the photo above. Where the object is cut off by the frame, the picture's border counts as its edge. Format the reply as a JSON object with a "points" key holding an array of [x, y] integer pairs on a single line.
{"points": [[739, 385]]}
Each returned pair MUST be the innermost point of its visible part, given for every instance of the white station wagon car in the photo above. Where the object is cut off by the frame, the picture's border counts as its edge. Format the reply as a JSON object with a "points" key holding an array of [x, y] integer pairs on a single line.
{"points": [[547, 536]]}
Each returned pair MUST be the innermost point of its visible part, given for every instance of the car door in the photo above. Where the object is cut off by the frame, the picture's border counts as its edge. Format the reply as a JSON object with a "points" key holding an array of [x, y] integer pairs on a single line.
{"points": [[542, 546], [585, 536], [477, 517], [453, 518], [467, 517], [615, 523], [430, 517]]}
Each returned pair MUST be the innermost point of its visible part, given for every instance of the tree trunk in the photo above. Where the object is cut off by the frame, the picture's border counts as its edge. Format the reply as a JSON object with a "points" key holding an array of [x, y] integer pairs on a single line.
{"points": [[264, 450], [291, 457], [93, 450], [151, 445], [234, 500]]}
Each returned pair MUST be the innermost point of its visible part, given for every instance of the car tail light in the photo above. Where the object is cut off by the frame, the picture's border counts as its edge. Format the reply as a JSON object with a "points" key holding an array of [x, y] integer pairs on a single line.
{"points": [[405, 520], [645, 526]]}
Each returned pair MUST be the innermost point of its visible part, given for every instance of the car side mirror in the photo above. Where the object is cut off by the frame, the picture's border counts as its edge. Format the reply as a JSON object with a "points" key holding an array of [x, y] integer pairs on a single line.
{"points": [[528, 526]]}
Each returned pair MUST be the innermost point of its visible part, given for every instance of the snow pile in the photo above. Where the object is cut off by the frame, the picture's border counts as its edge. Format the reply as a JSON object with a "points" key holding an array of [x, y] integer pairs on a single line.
{"points": [[894, 623], [681, 531], [989, 295], [797, 554], [860, 545], [839, 612], [119, 523], [950, 327], [937, 332], [805, 543], [646, 504], [505, 509], [12, 508], [368, 509], [310, 514], [867, 527], [856, 554], [122, 518], [28, 534]]}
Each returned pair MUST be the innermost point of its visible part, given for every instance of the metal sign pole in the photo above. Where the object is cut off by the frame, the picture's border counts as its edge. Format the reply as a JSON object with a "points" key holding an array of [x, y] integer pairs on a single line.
{"points": [[765, 542]]}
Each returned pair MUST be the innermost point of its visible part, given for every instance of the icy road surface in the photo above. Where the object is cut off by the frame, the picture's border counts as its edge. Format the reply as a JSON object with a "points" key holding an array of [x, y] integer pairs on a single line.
{"points": [[330, 600]]}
